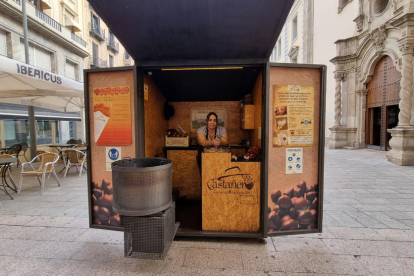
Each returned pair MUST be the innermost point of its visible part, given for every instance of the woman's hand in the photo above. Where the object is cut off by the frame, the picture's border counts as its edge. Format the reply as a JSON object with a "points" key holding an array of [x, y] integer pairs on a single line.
{"points": [[216, 142]]}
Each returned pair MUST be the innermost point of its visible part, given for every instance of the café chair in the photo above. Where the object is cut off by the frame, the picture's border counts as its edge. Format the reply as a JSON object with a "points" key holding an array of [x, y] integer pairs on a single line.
{"points": [[75, 158], [15, 151], [47, 167], [39, 153], [25, 147], [72, 141], [3, 169]]}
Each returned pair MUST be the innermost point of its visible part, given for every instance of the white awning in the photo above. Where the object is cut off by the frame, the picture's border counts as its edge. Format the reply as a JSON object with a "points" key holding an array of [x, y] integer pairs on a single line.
{"points": [[72, 24], [45, 5], [29, 85]]}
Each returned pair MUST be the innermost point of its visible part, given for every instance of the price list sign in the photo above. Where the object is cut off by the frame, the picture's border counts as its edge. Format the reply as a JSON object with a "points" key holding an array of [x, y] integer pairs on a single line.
{"points": [[293, 115]]}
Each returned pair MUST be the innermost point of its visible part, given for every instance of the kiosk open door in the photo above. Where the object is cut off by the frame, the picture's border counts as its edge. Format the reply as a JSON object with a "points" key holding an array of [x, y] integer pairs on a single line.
{"points": [[294, 146]]}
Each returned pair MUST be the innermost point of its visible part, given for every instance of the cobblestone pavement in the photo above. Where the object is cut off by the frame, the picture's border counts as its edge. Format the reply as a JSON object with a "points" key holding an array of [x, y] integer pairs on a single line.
{"points": [[368, 230]]}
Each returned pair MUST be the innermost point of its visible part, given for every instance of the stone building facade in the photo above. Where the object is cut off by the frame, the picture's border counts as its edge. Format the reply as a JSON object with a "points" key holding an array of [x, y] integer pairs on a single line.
{"points": [[374, 81], [61, 36]]}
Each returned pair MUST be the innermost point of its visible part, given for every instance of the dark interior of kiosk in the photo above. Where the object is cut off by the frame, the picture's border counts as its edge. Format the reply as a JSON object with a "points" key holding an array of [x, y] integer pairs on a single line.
{"points": [[209, 84]]}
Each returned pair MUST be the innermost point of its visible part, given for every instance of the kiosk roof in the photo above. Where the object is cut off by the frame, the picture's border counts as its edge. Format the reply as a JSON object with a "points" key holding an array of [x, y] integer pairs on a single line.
{"points": [[196, 32]]}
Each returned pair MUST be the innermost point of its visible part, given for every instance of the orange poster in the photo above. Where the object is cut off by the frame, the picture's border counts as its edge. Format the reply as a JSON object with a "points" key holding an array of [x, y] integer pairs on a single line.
{"points": [[112, 116]]}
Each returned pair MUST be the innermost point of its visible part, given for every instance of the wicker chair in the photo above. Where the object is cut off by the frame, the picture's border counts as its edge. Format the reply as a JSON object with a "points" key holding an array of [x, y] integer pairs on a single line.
{"points": [[25, 147], [47, 167], [8, 171], [72, 141], [15, 151], [75, 158]]}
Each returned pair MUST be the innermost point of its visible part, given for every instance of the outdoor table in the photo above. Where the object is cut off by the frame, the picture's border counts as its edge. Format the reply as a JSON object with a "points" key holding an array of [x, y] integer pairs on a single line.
{"points": [[5, 164], [61, 149]]}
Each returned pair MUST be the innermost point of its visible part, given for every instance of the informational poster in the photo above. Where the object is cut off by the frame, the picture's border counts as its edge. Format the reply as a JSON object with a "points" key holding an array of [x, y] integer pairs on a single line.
{"points": [[293, 122], [112, 116], [199, 115], [294, 160], [112, 154]]}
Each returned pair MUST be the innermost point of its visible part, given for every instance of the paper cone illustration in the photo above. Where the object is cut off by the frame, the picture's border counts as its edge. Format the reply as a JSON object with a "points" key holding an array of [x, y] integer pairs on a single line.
{"points": [[101, 116]]}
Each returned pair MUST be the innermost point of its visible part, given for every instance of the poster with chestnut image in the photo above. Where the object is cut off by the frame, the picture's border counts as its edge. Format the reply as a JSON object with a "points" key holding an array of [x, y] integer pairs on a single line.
{"points": [[111, 127], [294, 180]]}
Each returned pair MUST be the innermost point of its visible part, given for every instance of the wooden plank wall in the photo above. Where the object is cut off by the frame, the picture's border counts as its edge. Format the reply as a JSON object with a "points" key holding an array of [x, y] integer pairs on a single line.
{"points": [[182, 117], [156, 126], [257, 101], [230, 209]]}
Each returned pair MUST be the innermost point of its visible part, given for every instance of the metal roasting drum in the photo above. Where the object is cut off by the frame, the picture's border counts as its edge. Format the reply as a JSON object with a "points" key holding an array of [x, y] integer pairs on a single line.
{"points": [[141, 186]]}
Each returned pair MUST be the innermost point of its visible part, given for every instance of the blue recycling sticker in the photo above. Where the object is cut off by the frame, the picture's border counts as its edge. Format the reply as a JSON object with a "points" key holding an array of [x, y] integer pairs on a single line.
{"points": [[290, 158], [294, 154], [298, 166], [113, 154], [298, 159], [290, 167]]}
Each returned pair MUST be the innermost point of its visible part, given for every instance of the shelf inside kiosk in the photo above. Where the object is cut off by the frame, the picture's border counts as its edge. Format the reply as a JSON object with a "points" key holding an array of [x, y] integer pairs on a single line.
{"points": [[176, 103]]}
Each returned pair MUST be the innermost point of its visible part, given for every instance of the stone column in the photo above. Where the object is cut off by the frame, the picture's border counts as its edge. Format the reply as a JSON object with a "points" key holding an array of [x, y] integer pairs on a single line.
{"points": [[339, 135], [361, 114], [402, 141]]}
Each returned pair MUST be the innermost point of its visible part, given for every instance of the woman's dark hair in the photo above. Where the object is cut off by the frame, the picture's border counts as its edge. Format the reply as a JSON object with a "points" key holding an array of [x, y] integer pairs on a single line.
{"points": [[211, 113]]}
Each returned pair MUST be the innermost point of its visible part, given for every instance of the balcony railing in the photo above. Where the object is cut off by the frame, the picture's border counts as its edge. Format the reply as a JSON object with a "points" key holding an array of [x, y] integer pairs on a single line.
{"points": [[97, 62], [97, 31], [48, 20], [112, 44], [78, 40]]}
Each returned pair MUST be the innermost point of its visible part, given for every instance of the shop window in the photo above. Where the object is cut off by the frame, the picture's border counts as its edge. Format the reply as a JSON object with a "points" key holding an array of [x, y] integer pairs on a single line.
{"points": [[278, 49], [71, 70], [111, 61], [37, 57], [72, 130], [127, 56], [380, 6], [3, 43], [294, 28]]}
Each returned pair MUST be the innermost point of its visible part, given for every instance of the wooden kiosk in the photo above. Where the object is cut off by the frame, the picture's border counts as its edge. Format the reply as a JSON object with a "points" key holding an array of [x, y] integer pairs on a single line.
{"points": [[281, 192]]}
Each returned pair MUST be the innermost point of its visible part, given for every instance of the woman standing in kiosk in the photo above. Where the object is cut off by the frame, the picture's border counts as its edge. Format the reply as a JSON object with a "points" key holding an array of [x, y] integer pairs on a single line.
{"points": [[212, 134]]}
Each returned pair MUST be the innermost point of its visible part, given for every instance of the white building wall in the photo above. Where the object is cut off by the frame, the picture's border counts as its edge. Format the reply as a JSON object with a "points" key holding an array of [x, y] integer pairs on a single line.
{"points": [[330, 26]]}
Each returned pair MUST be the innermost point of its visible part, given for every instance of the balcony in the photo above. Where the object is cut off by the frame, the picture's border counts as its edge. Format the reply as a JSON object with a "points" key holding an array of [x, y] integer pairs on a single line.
{"points": [[45, 25], [50, 21], [112, 44], [97, 62], [97, 31], [78, 40]]}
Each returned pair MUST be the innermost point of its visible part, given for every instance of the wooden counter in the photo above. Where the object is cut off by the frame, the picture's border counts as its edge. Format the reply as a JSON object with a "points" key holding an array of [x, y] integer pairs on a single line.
{"points": [[230, 194]]}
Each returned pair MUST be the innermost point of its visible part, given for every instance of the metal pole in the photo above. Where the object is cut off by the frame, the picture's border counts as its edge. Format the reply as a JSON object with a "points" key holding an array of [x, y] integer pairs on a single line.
{"points": [[82, 113], [30, 109]]}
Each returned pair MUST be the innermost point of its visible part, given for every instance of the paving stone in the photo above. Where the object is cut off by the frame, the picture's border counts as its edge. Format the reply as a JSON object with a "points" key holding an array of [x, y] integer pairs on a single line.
{"points": [[98, 252], [15, 219], [197, 242], [371, 207], [328, 221], [332, 264], [391, 223], [54, 249], [275, 261], [346, 233], [48, 221], [388, 265], [365, 220], [301, 245], [370, 248], [338, 207], [344, 219], [213, 258], [396, 235], [101, 236]]}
